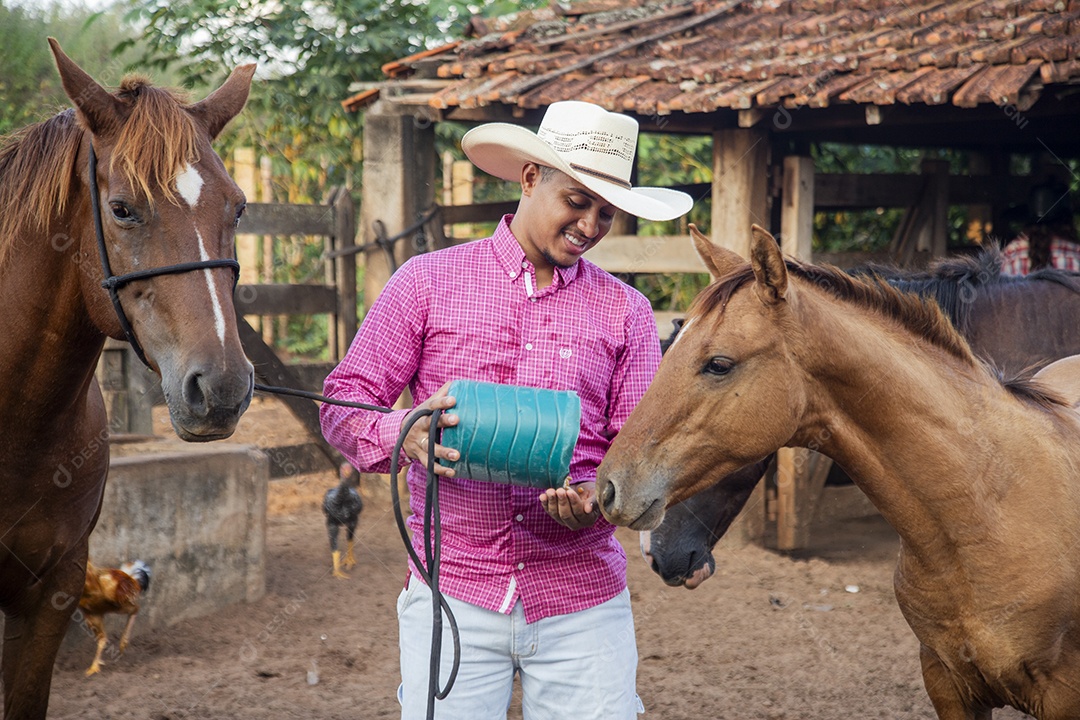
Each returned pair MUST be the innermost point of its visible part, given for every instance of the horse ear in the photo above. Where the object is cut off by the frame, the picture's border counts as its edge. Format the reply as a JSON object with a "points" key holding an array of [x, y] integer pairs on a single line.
{"points": [[768, 264], [219, 107], [101, 112], [720, 261], [1062, 377]]}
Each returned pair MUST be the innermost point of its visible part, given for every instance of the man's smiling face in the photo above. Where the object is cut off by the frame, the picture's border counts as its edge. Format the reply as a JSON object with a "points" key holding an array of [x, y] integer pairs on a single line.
{"points": [[559, 218]]}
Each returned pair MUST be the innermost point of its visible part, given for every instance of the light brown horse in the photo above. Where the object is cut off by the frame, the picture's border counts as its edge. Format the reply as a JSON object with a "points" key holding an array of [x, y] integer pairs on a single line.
{"points": [[980, 479], [167, 216]]}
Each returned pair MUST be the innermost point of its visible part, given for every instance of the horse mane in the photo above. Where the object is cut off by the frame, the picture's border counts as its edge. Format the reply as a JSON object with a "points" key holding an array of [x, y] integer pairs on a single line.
{"points": [[37, 163], [920, 314], [952, 281]]}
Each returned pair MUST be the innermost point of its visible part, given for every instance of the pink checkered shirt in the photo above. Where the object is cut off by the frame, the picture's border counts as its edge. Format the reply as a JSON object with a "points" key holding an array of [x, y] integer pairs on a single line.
{"points": [[1064, 255], [473, 312]]}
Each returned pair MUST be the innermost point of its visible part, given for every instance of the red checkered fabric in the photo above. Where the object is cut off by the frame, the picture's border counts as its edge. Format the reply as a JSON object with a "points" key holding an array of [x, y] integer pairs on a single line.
{"points": [[1064, 255]]}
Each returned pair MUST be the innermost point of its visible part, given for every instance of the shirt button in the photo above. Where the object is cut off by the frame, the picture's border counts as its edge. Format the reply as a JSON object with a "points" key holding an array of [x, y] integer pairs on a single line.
{"points": [[521, 566], [524, 264], [528, 346], [519, 518], [513, 274], [532, 299]]}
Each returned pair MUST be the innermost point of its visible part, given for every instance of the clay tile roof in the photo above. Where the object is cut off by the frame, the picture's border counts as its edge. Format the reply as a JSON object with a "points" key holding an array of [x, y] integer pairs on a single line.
{"points": [[693, 56]]}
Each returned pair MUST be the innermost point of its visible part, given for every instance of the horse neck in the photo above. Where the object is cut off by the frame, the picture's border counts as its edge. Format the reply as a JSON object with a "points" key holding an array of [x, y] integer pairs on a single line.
{"points": [[920, 431], [1021, 324], [50, 343]]}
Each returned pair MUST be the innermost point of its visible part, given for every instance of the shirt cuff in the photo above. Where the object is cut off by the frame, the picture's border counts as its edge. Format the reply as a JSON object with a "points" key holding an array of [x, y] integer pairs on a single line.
{"points": [[388, 428]]}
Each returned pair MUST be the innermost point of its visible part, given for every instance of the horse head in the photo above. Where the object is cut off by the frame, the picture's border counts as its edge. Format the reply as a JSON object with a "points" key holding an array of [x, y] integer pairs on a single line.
{"points": [[728, 393], [163, 245], [680, 549]]}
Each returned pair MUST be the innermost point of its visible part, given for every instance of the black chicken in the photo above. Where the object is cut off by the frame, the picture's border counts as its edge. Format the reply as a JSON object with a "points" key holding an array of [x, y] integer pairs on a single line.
{"points": [[342, 506]]}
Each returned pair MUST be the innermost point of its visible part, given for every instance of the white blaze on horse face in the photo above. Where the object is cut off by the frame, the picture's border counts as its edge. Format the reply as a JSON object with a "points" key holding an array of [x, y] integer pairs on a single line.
{"points": [[682, 331], [219, 316], [189, 182]]}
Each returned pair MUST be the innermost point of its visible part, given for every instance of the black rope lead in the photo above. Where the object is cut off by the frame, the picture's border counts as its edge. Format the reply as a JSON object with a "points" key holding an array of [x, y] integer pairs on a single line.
{"points": [[429, 570]]}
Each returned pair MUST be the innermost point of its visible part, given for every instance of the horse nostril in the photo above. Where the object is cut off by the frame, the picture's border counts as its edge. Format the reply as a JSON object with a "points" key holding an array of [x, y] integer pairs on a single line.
{"points": [[194, 396], [607, 495]]}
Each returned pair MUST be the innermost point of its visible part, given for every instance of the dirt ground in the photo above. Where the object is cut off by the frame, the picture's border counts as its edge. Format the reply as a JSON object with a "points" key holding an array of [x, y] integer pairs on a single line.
{"points": [[769, 636]]}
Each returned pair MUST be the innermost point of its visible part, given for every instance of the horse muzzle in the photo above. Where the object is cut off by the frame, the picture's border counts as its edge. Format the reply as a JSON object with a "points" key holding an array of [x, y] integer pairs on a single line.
{"points": [[206, 404]]}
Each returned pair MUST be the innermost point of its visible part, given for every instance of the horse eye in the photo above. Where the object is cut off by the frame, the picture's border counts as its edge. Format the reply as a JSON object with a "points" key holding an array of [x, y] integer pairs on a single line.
{"points": [[719, 366], [239, 214], [121, 211]]}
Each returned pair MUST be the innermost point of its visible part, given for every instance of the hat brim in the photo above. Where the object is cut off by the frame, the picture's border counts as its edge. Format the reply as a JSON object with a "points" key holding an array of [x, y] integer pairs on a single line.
{"points": [[502, 149]]}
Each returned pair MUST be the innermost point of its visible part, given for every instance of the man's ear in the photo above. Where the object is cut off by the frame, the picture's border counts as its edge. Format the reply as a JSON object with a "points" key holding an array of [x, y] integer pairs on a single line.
{"points": [[530, 177]]}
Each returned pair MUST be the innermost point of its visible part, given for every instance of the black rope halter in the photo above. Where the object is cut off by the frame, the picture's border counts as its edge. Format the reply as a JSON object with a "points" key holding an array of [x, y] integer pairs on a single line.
{"points": [[113, 283]]}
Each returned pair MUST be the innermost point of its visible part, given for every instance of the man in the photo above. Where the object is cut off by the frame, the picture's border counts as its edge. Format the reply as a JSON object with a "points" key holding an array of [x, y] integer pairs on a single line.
{"points": [[537, 585], [1049, 237]]}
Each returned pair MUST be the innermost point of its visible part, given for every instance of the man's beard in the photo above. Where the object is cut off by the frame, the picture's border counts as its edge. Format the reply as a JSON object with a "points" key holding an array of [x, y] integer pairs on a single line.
{"points": [[555, 263]]}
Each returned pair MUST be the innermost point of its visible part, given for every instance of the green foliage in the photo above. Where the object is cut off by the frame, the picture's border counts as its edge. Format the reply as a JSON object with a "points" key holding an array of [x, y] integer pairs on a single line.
{"points": [[309, 54], [30, 87], [873, 229], [665, 160]]}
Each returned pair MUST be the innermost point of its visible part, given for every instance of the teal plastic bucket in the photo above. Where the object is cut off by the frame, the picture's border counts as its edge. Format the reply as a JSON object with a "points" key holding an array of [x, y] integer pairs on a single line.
{"points": [[512, 434]]}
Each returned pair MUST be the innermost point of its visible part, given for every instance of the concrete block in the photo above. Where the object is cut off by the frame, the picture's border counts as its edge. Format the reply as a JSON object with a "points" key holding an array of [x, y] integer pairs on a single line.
{"points": [[196, 513]]}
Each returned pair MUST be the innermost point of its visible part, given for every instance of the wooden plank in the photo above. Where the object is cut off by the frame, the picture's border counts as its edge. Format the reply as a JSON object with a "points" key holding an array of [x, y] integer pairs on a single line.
{"points": [[278, 299], [483, 212], [797, 207], [285, 219], [647, 254], [849, 190]]}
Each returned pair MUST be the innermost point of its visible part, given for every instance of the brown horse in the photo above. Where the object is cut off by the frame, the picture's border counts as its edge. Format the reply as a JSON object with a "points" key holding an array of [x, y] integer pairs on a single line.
{"points": [[125, 182], [980, 479], [1016, 323]]}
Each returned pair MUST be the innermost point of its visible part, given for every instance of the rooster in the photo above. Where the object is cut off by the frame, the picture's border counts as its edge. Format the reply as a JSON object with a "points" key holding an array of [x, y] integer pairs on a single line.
{"points": [[342, 506], [109, 590]]}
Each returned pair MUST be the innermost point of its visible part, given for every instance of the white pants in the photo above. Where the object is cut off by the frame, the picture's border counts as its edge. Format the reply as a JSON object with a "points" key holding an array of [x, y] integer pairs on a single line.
{"points": [[581, 665]]}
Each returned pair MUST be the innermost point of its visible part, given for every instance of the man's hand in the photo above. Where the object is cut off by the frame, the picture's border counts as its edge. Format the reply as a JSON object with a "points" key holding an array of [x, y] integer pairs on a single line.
{"points": [[575, 507], [416, 442]]}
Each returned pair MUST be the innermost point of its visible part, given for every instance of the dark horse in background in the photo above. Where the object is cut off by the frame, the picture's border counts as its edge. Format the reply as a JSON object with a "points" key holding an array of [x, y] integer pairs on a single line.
{"points": [[143, 160], [1017, 323]]}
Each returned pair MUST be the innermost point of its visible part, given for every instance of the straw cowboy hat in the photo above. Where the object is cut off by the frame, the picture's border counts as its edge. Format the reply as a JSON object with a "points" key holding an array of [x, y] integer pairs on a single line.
{"points": [[593, 146]]}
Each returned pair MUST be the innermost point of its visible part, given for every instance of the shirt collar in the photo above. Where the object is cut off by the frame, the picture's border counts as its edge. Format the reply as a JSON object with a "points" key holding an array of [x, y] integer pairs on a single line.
{"points": [[509, 254]]}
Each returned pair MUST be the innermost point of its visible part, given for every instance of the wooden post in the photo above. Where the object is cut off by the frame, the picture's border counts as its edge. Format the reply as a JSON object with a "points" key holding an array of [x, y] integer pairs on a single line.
{"points": [[800, 480], [461, 193], [740, 198], [739, 186], [266, 270], [797, 208], [344, 272], [936, 237], [800, 473], [246, 253], [398, 186]]}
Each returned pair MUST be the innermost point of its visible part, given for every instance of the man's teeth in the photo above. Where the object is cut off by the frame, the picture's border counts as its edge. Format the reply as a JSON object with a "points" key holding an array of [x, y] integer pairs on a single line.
{"points": [[574, 241]]}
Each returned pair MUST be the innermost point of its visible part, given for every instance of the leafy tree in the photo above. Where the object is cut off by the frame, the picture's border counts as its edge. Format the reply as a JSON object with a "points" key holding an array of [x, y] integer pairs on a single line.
{"points": [[309, 54], [30, 88]]}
